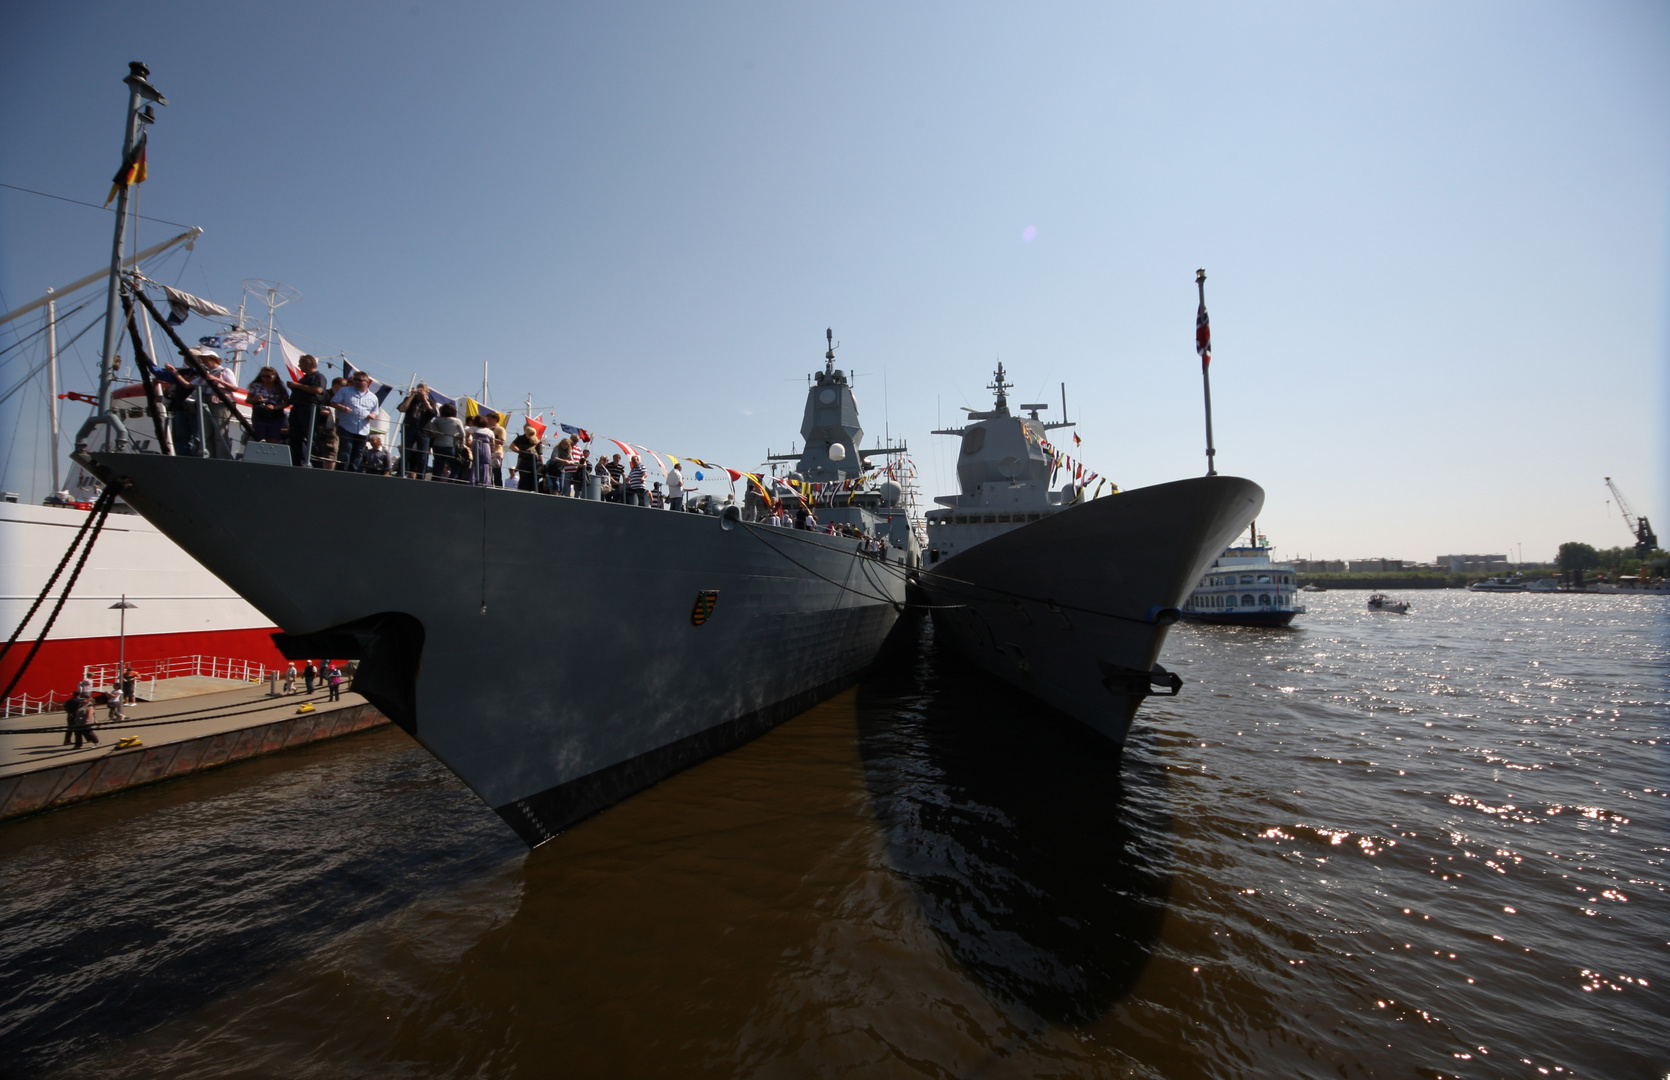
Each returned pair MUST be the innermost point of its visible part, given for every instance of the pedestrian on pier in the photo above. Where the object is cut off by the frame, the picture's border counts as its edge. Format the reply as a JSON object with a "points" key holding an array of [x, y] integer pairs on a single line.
{"points": [[310, 675], [334, 677], [113, 705], [130, 682], [290, 679], [78, 713]]}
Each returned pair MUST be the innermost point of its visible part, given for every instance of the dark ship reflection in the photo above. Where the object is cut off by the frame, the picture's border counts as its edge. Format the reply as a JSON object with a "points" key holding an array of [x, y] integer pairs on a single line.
{"points": [[1010, 825]]}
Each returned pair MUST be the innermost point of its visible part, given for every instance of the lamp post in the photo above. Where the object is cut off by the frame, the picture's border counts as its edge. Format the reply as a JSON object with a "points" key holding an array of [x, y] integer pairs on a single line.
{"points": [[122, 649]]}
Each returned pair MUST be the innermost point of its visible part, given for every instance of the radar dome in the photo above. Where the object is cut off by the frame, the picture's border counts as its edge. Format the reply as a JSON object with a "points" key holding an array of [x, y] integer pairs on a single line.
{"points": [[837, 453], [890, 492]]}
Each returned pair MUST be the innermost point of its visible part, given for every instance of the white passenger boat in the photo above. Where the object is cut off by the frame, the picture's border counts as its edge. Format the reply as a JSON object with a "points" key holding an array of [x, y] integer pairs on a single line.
{"points": [[1243, 587], [1516, 583]]}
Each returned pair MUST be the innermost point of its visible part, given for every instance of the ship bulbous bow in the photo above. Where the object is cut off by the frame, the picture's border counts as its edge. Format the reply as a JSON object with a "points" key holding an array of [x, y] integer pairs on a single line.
{"points": [[388, 648]]}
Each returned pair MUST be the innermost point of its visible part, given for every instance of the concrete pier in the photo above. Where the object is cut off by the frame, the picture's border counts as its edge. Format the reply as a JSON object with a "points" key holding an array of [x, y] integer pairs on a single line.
{"points": [[177, 737]]}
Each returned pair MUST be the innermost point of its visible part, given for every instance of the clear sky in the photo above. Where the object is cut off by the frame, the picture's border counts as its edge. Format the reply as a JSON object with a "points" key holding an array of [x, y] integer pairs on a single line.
{"points": [[1436, 234]]}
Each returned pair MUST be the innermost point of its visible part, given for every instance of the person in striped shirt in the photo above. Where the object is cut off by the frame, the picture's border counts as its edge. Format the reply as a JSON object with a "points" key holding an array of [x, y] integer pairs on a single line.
{"points": [[636, 493], [574, 475]]}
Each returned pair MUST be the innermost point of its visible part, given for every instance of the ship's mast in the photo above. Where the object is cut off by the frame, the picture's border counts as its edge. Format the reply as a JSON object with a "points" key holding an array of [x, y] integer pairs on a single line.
{"points": [[52, 378], [1203, 345], [138, 89], [1001, 388]]}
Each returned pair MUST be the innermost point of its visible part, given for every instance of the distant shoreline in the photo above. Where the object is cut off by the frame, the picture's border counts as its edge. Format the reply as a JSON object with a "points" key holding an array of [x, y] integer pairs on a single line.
{"points": [[1429, 579]]}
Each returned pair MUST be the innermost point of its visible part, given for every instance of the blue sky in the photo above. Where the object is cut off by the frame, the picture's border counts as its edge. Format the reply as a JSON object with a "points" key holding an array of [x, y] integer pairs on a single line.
{"points": [[1436, 235]]}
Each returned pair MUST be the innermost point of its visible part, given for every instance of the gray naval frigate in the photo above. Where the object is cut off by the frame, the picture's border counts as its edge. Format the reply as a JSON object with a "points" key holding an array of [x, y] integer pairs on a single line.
{"points": [[1068, 598], [557, 654]]}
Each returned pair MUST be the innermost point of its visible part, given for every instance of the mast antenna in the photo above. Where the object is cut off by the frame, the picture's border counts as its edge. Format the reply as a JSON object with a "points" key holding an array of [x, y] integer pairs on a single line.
{"points": [[829, 357], [1203, 345], [275, 295], [1000, 387]]}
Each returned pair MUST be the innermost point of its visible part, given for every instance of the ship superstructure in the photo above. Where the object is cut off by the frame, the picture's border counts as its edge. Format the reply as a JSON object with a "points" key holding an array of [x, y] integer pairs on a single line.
{"points": [[1065, 597], [832, 479]]}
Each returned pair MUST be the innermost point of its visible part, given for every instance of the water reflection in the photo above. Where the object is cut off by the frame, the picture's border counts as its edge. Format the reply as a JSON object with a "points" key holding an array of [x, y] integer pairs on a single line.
{"points": [[1007, 822]]}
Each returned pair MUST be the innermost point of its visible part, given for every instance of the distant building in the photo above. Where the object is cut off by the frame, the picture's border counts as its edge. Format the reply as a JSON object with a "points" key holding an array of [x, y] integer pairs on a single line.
{"points": [[1375, 566], [1318, 566], [1472, 564]]}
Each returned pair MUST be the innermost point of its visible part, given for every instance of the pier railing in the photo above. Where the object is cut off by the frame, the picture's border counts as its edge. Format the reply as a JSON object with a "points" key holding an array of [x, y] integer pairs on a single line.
{"points": [[177, 667], [148, 672], [31, 704]]}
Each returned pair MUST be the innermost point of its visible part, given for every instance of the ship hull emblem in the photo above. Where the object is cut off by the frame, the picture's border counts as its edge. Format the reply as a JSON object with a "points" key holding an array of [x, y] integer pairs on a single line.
{"points": [[704, 606]]}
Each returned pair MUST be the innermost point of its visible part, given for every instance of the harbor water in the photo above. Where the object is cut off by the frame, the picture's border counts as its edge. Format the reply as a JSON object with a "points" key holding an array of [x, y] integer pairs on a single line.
{"points": [[1369, 845]]}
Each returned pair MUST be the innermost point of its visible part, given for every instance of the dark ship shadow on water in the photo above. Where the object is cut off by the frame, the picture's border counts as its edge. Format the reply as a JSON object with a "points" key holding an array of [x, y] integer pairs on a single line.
{"points": [[1012, 828]]}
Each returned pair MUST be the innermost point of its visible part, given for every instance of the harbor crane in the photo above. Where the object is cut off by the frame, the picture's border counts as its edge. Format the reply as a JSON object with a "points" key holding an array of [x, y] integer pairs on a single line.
{"points": [[1645, 540]]}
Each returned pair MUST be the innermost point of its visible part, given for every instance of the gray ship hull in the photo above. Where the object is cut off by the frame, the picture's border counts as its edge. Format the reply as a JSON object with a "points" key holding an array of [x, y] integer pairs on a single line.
{"points": [[545, 649], [1073, 609]]}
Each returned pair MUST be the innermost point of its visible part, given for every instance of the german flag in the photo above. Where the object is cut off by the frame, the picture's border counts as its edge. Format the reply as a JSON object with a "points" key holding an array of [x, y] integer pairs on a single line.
{"points": [[131, 172]]}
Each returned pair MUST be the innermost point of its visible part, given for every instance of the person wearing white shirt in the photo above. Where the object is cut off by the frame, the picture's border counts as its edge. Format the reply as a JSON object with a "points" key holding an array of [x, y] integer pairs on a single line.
{"points": [[356, 403], [675, 487]]}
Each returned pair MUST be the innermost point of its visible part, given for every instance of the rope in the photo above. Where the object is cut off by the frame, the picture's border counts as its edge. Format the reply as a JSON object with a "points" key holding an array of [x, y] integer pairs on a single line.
{"points": [[754, 531], [1011, 594], [65, 561], [100, 511], [1006, 593]]}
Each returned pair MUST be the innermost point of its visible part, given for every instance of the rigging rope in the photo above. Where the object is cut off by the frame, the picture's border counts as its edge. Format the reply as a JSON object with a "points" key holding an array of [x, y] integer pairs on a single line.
{"points": [[65, 561], [755, 531], [1009, 594], [95, 518], [41, 329]]}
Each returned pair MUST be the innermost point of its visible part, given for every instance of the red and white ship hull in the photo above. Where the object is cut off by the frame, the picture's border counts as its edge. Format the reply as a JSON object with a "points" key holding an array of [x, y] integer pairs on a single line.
{"points": [[180, 609]]}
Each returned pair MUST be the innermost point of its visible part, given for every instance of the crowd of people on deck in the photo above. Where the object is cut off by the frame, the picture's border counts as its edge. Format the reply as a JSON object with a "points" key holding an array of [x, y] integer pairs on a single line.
{"points": [[327, 425]]}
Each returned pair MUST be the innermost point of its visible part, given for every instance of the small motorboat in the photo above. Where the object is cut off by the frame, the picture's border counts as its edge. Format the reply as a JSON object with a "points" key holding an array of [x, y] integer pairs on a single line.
{"points": [[1382, 602], [1313, 587]]}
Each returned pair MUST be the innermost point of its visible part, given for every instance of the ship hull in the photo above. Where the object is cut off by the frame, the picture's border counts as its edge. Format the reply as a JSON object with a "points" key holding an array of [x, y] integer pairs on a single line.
{"points": [[550, 651], [1073, 609], [1250, 618]]}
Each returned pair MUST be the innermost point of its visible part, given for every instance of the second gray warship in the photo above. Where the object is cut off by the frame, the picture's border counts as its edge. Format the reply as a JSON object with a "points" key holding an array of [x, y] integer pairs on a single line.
{"points": [[553, 686], [1068, 598]]}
